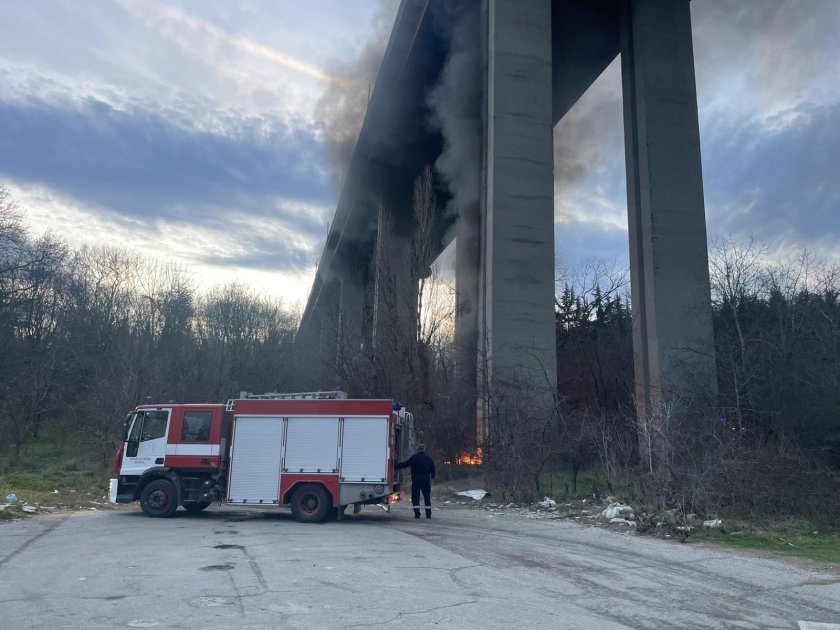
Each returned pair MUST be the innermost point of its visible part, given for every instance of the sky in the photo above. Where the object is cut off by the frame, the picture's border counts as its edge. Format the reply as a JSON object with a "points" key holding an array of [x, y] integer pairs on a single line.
{"points": [[200, 132]]}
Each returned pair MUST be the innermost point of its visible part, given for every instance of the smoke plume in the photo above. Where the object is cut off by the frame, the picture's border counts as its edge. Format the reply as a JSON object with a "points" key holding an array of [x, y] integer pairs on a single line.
{"points": [[341, 108], [455, 102]]}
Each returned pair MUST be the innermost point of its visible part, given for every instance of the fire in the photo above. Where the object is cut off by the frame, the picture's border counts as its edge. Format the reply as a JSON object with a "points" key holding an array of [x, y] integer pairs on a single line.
{"points": [[471, 460]]}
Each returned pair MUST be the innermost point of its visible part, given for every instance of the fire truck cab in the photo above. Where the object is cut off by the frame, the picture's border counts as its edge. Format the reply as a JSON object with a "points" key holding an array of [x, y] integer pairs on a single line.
{"points": [[317, 452]]}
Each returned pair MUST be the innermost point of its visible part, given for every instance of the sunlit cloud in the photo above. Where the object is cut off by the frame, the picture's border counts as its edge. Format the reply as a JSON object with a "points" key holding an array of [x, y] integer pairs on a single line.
{"points": [[271, 256], [170, 16]]}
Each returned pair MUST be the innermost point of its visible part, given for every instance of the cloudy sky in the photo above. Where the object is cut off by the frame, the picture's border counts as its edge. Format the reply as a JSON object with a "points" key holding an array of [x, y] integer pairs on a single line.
{"points": [[197, 130]]}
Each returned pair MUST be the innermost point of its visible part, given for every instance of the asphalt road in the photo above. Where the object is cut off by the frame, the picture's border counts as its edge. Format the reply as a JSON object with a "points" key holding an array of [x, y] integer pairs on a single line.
{"points": [[463, 569]]}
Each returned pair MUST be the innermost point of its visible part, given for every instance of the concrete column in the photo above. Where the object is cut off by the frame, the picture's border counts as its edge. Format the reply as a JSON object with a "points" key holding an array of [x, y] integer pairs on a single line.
{"points": [[672, 320], [352, 323], [329, 335], [395, 288], [517, 260], [467, 270]]}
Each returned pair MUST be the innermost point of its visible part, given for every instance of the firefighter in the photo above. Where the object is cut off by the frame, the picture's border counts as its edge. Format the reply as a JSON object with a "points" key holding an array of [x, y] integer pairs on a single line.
{"points": [[422, 473]]}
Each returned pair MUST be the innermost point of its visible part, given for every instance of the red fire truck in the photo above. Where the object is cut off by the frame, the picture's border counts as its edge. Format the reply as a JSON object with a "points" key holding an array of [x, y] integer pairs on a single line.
{"points": [[317, 452]]}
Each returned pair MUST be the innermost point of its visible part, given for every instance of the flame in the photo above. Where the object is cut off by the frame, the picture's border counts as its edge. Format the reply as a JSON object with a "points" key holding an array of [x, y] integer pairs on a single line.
{"points": [[470, 460]]}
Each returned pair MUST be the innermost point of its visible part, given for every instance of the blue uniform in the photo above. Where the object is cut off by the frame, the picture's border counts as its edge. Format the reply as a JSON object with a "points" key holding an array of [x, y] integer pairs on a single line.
{"points": [[422, 473]]}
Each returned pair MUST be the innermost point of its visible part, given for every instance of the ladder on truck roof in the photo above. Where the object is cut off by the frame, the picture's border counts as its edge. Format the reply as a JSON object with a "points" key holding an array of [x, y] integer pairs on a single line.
{"points": [[325, 395]]}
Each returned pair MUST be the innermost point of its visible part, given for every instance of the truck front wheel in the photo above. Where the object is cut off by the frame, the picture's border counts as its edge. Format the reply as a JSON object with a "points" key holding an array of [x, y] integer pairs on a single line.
{"points": [[159, 499], [310, 503]]}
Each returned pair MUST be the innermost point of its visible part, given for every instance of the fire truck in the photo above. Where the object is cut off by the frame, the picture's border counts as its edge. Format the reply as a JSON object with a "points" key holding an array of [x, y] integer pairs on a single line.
{"points": [[317, 452]]}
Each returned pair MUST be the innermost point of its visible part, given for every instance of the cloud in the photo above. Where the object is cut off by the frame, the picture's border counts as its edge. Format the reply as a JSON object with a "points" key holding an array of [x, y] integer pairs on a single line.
{"points": [[778, 184], [184, 124], [184, 29], [588, 140], [769, 129], [590, 198], [583, 240], [342, 111], [756, 59], [266, 253], [138, 162]]}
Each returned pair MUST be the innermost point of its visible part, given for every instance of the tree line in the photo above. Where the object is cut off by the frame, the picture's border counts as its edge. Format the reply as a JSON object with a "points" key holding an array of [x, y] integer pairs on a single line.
{"points": [[772, 445], [87, 333]]}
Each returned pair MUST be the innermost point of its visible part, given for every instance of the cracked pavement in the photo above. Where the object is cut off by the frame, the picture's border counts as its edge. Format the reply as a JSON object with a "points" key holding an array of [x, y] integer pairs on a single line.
{"points": [[463, 569]]}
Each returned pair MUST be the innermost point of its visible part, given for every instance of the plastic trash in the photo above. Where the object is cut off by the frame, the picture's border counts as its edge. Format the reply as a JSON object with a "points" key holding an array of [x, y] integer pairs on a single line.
{"points": [[611, 512], [616, 510], [476, 495], [11, 497], [547, 503], [713, 523]]}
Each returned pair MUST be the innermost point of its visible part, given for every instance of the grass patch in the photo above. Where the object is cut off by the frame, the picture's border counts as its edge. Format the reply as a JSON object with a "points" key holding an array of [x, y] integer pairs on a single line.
{"points": [[49, 476], [791, 539]]}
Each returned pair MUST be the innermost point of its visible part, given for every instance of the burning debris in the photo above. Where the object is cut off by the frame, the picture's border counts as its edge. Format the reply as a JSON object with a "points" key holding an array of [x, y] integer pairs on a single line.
{"points": [[473, 459]]}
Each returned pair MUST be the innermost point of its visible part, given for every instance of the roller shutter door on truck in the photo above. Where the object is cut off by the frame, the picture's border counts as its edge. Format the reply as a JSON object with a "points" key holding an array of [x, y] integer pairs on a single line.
{"points": [[364, 453], [312, 445], [255, 459]]}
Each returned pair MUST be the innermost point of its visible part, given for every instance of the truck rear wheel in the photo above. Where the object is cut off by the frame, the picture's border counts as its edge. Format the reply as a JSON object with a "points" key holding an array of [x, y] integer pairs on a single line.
{"points": [[159, 499], [310, 503]]}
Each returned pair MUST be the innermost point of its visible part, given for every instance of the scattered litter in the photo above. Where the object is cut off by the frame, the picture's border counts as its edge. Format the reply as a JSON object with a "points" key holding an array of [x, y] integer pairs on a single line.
{"points": [[29, 509], [55, 491], [11, 497], [3, 506], [476, 495], [547, 504], [616, 510], [714, 523]]}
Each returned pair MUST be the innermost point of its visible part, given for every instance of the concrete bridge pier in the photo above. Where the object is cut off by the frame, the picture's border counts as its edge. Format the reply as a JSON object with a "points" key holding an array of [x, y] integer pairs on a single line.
{"points": [[354, 328], [516, 274], [673, 339], [395, 292], [467, 272]]}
